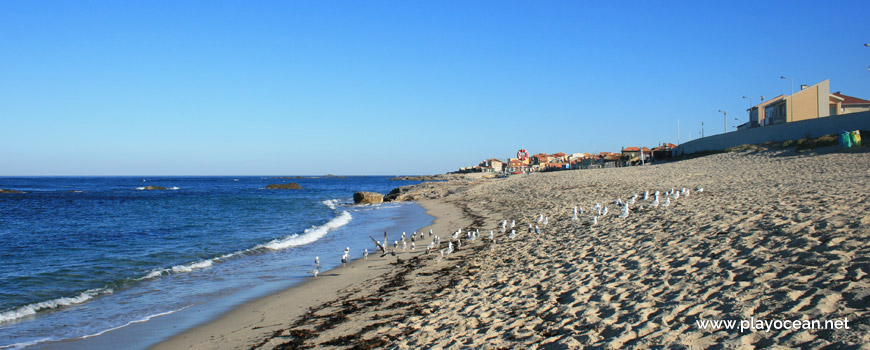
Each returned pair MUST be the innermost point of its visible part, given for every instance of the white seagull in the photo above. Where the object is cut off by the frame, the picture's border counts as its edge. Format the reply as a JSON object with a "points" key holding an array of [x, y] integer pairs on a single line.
{"points": [[383, 247]]}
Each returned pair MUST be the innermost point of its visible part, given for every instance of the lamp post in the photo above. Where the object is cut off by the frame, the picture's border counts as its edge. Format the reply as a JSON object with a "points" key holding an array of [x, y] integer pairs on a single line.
{"points": [[724, 120], [789, 109], [702, 130], [749, 111]]}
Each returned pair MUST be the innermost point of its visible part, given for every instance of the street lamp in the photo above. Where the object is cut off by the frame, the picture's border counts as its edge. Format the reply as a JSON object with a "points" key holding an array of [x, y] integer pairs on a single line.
{"points": [[724, 120], [789, 99]]}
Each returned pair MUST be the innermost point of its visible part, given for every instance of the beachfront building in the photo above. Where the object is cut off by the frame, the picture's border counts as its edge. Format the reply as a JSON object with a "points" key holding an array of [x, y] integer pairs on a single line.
{"points": [[663, 152], [559, 157], [849, 104], [515, 165], [636, 155], [492, 165], [810, 102]]}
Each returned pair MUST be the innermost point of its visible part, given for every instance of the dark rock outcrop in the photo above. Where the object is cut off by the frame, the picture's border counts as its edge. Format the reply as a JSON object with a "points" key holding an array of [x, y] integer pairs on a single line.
{"points": [[290, 186], [154, 188], [368, 198]]}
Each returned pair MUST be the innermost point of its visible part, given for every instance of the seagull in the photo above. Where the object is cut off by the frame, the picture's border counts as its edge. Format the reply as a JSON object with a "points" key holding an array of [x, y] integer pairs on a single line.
{"points": [[546, 220], [491, 236], [317, 262], [540, 217], [618, 201], [537, 230], [594, 220], [382, 247], [366, 254], [344, 259], [605, 211], [458, 244], [699, 189], [513, 234], [449, 248], [395, 245], [632, 200], [404, 245], [531, 229], [646, 195], [597, 207], [667, 202], [314, 272], [513, 224], [413, 246], [676, 195], [574, 218], [624, 213], [430, 232], [655, 202]]}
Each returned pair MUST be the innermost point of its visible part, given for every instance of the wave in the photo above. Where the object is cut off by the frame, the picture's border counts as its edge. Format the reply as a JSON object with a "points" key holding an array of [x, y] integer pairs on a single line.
{"points": [[309, 235], [32, 309], [144, 319], [331, 203]]}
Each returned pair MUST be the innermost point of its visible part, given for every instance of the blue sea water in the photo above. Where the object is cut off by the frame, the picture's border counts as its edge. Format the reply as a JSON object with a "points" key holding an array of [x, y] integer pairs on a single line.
{"points": [[83, 256]]}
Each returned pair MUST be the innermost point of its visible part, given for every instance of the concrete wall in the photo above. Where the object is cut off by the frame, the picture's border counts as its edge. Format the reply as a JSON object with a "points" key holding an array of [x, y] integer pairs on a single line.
{"points": [[780, 132]]}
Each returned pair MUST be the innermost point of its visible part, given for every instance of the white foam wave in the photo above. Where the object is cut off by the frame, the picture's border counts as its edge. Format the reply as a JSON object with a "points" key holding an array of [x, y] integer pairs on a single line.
{"points": [[145, 319], [310, 235], [18, 346], [174, 188], [193, 266], [31, 309], [331, 203], [141, 188]]}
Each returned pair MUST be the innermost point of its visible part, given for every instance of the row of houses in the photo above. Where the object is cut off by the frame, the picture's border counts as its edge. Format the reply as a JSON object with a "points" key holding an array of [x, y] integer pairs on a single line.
{"points": [[562, 161], [809, 102]]}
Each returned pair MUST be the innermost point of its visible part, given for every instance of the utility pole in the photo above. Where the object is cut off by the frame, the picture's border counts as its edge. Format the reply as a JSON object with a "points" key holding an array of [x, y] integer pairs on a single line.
{"points": [[702, 129], [724, 120]]}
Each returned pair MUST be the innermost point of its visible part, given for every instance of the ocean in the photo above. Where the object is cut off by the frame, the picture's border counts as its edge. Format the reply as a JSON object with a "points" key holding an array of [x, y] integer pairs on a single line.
{"points": [[84, 257]]}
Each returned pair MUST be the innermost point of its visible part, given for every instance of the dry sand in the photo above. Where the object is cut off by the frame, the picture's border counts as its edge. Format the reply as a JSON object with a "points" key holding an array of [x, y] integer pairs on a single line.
{"points": [[775, 236]]}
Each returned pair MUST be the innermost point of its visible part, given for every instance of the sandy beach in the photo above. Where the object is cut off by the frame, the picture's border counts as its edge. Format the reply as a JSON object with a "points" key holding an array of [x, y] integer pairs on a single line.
{"points": [[774, 236]]}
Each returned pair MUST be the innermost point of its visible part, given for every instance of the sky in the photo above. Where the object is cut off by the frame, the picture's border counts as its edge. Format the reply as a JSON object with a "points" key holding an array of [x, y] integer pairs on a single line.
{"points": [[393, 87]]}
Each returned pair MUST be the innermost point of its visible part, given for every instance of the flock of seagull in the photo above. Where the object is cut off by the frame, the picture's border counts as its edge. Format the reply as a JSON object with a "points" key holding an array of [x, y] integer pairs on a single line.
{"points": [[654, 200]]}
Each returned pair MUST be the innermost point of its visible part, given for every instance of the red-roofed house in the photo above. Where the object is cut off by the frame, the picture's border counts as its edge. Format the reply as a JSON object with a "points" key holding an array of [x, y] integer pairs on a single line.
{"points": [[559, 157], [515, 166], [850, 104]]}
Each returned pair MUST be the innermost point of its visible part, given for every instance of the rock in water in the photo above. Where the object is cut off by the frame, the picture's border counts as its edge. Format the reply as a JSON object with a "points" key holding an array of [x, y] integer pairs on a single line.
{"points": [[154, 188], [368, 198], [9, 191], [290, 186]]}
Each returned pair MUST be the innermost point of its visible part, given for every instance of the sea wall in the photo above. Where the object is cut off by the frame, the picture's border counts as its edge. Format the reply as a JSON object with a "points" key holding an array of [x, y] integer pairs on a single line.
{"points": [[780, 132]]}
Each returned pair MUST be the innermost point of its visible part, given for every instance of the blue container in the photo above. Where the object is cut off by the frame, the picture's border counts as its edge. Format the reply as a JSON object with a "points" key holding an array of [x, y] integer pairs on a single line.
{"points": [[845, 139]]}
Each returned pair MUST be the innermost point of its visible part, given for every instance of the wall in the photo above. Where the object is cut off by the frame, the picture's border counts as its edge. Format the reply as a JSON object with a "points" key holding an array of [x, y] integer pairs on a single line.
{"points": [[780, 132], [810, 103]]}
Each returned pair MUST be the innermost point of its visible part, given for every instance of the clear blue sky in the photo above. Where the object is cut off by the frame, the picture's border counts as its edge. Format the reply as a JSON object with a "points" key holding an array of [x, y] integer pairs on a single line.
{"points": [[399, 87]]}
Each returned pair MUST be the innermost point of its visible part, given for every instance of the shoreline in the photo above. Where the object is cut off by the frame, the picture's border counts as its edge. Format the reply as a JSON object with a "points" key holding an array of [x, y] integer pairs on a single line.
{"points": [[259, 322], [773, 235]]}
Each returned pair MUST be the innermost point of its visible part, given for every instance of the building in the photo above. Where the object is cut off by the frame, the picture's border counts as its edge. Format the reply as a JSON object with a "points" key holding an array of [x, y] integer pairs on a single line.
{"points": [[492, 165], [663, 152], [637, 155], [756, 113], [559, 157], [849, 104], [515, 165], [809, 103]]}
